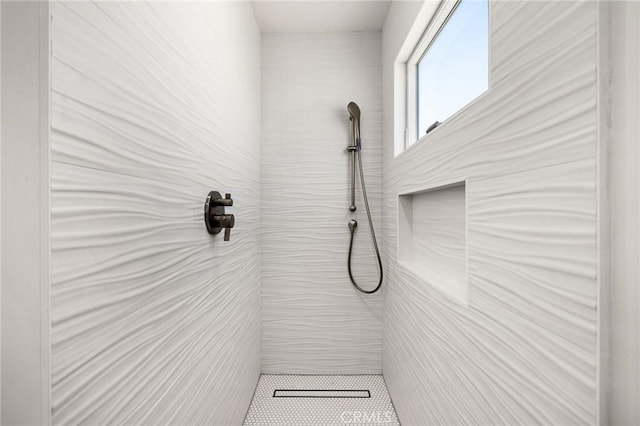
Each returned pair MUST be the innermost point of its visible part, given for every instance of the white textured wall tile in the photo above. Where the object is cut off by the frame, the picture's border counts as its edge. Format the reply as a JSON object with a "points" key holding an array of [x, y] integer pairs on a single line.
{"points": [[524, 349], [154, 321], [313, 320]]}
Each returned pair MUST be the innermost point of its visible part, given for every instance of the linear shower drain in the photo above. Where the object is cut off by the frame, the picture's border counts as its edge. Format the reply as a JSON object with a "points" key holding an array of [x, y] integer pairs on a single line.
{"points": [[321, 393]]}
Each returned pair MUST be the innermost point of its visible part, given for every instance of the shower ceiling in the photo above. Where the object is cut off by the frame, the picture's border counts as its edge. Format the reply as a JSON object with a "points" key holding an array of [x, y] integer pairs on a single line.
{"points": [[320, 16]]}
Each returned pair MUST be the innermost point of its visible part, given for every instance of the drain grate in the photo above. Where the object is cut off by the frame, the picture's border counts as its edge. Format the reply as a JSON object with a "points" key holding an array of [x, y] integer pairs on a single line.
{"points": [[321, 393]]}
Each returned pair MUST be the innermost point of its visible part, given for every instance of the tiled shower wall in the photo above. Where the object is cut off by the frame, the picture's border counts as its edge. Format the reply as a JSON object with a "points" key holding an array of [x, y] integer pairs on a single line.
{"points": [[154, 321], [523, 349], [313, 320]]}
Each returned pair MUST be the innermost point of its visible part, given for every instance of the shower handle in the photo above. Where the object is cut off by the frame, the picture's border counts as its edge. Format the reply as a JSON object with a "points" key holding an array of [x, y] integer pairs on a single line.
{"points": [[223, 202], [226, 221]]}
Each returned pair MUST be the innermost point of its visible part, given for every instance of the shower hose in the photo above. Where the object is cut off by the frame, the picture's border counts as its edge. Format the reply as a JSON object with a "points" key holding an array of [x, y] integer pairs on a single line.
{"points": [[373, 233]]}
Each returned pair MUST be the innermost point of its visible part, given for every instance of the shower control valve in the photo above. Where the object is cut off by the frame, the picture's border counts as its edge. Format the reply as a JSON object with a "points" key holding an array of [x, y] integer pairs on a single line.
{"points": [[214, 215]]}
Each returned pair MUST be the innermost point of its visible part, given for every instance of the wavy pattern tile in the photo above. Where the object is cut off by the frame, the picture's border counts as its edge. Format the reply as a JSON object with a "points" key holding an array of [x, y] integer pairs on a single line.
{"points": [[313, 320], [524, 350], [153, 320]]}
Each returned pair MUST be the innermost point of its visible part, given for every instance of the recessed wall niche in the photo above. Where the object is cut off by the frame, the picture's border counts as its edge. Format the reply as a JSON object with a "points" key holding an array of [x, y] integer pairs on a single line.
{"points": [[432, 236]]}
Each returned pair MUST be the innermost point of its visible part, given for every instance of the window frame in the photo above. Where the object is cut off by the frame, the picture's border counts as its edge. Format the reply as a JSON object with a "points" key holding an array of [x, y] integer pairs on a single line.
{"points": [[436, 24]]}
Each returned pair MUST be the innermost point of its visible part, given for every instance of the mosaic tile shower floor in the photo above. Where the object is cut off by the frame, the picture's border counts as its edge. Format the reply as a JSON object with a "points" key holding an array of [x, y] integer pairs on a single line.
{"points": [[320, 401]]}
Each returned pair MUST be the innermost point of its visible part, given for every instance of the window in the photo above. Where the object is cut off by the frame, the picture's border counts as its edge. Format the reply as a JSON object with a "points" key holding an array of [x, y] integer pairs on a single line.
{"points": [[449, 67]]}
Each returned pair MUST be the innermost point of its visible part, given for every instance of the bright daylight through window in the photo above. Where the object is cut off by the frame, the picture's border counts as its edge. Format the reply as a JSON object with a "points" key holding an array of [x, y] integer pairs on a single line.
{"points": [[450, 65]]}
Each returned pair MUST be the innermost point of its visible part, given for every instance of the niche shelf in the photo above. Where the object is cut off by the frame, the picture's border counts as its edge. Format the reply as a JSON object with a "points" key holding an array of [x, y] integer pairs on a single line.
{"points": [[432, 237]]}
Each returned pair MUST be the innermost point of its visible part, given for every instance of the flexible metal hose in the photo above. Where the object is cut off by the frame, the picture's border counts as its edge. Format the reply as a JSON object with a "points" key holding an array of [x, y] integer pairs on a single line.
{"points": [[373, 233]]}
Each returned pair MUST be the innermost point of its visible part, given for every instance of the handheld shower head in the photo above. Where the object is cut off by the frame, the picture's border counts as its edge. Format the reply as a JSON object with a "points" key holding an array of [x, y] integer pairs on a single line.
{"points": [[353, 148], [354, 111], [354, 117]]}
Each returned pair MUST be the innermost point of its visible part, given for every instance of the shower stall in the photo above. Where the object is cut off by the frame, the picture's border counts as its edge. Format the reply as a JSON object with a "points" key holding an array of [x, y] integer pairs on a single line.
{"points": [[343, 274]]}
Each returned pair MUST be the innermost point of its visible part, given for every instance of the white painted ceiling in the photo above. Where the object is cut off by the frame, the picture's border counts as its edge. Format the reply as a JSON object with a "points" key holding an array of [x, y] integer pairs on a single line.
{"points": [[320, 16]]}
